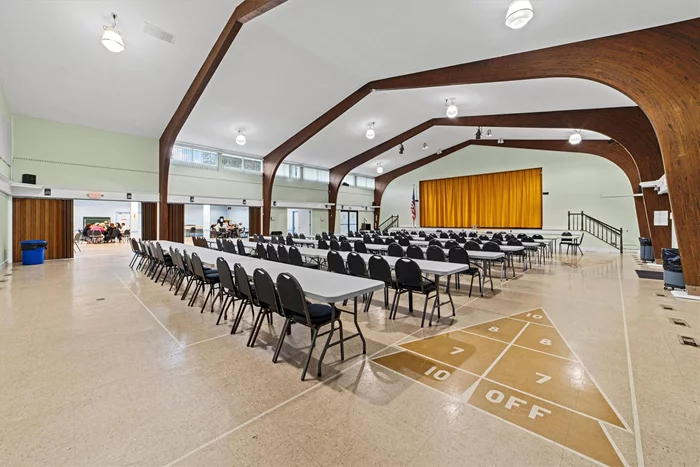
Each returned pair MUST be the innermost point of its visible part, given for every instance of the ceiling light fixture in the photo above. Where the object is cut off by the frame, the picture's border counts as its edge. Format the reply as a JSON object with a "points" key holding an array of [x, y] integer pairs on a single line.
{"points": [[401, 148], [520, 12], [478, 133], [452, 110], [439, 151], [500, 141], [240, 139], [380, 169], [575, 137], [370, 131], [425, 145], [111, 38]]}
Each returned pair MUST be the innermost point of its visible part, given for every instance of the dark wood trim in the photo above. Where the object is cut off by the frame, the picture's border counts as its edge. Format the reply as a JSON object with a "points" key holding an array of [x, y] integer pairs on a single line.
{"points": [[43, 219], [176, 217], [657, 68], [273, 160], [254, 220], [149, 221], [244, 12]]}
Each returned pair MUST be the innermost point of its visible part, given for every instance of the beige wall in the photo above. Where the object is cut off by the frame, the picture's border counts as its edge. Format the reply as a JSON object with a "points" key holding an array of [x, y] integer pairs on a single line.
{"points": [[5, 174]]}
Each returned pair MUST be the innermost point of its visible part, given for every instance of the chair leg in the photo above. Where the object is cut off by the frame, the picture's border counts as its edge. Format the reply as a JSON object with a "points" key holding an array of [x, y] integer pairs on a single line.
{"points": [[425, 308], [314, 333], [394, 305], [325, 347], [197, 288], [256, 327], [471, 285], [386, 295], [285, 330], [223, 308], [342, 343]]}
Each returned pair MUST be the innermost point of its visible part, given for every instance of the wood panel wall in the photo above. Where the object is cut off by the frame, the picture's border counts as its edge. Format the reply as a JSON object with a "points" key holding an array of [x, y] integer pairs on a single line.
{"points": [[176, 217], [43, 219], [255, 221], [149, 221]]}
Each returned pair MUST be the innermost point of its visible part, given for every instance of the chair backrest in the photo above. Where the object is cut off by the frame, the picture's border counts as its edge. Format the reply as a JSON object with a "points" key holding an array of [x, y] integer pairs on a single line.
{"points": [[473, 235], [435, 242], [325, 236], [335, 262], [389, 241], [366, 238], [242, 283], [296, 235], [274, 240], [521, 235], [421, 233], [454, 236], [292, 297], [444, 235], [403, 241], [262, 252], [408, 273], [458, 255], [497, 236], [395, 250], [322, 245], [282, 254], [450, 244], [318, 237], [197, 267], [345, 246], [472, 246], [302, 236], [435, 253], [335, 245], [265, 291], [295, 257], [491, 246], [484, 237], [378, 241], [229, 247], [342, 238], [134, 245], [225, 275], [351, 234], [415, 252], [188, 263], [527, 240], [509, 236], [356, 265], [461, 239], [514, 242], [241, 247], [379, 269], [360, 246], [272, 253], [538, 237]]}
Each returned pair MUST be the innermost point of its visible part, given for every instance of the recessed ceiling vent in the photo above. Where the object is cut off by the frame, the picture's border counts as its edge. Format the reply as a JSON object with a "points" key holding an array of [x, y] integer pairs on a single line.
{"points": [[159, 33]]}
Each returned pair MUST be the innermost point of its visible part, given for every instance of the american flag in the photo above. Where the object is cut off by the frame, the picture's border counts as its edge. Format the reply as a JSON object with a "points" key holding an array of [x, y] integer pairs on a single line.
{"points": [[413, 205]]}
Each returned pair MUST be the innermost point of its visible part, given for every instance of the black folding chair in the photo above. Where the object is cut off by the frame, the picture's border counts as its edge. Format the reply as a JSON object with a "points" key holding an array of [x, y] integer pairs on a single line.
{"points": [[395, 250], [247, 293], [460, 256], [272, 253], [227, 289], [296, 260], [268, 301], [282, 254], [410, 279], [360, 246], [313, 315], [415, 252]]}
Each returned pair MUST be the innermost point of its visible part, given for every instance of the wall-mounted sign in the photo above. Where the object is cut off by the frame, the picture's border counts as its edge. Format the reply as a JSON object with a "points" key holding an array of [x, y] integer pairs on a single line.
{"points": [[274, 203], [94, 195], [47, 191], [191, 199], [244, 202], [660, 217], [128, 196]]}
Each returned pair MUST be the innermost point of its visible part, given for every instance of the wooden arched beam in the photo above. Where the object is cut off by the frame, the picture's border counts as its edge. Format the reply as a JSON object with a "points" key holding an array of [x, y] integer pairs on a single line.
{"points": [[656, 67], [244, 12], [626, 125], [611, 151]]}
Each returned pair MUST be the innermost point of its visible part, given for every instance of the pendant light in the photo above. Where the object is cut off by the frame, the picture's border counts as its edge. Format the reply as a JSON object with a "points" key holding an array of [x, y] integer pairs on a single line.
{"points": [[111, 38], [370, 131], [240, 139], [520, 12], [575, 137], [452, 110], [380, 169]]}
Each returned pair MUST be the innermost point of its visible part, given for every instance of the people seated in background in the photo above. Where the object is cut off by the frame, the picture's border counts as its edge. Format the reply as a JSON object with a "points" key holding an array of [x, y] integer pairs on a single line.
{"points": [[86, 230]]}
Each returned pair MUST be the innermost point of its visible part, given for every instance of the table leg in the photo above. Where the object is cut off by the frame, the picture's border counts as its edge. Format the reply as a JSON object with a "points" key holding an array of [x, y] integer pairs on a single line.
{"points": [[452, 303], [357, 326], [437, 288]]}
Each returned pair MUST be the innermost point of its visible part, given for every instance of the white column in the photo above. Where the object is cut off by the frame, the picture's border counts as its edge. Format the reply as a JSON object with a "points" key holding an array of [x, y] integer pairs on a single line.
{"points": [[135, 220], [206, 219]]}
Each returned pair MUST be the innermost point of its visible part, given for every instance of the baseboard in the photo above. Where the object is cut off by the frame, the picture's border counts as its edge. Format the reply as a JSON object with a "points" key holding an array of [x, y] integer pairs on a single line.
{"points": [[4, 264]]}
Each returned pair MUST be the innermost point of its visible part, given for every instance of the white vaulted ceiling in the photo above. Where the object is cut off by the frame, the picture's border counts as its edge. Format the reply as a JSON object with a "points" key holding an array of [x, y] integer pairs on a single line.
{"points": [[293, 63]]}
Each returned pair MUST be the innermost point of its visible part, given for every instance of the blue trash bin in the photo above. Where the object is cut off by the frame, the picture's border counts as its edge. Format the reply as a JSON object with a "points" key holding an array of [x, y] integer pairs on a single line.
{"points": [[33, 251]]}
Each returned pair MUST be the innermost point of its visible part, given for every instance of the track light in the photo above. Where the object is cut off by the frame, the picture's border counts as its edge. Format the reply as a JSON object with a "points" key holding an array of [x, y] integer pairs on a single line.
{"points": [[401, 148], [452, 110], [425, 145], [370, 131], [520, 12], [478, 133], [240, 139], [575, 137], [500, 141], [439, 151], [488, 133], [111, 38], [380, 169]]}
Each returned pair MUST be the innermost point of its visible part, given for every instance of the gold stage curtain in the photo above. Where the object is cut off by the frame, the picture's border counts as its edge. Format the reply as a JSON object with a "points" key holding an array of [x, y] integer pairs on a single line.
{"points": [[496, 200]]}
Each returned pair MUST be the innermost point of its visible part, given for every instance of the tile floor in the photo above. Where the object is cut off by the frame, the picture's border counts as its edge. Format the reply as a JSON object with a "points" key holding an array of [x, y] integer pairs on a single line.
{"points": [[101, 367]]}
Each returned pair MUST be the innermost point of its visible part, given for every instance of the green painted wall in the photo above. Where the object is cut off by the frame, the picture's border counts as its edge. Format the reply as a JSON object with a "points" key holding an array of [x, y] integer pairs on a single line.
{"points": [[75, 157]]}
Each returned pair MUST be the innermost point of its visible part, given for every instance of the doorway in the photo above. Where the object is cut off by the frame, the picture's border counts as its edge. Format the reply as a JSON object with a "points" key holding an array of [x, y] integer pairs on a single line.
{"points": [[299, 221], [348, 221]]}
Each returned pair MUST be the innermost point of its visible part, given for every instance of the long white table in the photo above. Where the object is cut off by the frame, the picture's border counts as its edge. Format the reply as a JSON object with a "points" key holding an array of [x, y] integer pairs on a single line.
{"points": [[319, 285], [436, 268]]}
